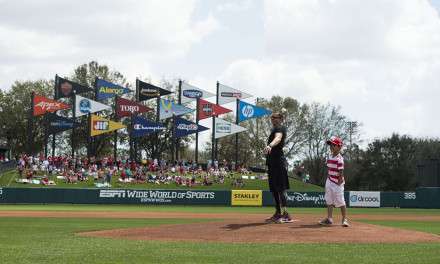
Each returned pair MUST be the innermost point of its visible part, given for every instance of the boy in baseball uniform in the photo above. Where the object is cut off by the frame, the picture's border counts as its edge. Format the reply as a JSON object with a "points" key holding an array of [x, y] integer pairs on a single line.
{"points": [[334, 186]]}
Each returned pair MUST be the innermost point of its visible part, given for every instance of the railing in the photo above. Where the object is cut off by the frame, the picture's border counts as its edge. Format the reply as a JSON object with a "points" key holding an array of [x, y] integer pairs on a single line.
{"points": [[4, 166]]}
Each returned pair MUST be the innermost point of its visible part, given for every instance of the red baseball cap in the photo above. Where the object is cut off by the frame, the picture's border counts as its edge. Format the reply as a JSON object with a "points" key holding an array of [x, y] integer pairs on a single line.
{"points": [[335, 141]]}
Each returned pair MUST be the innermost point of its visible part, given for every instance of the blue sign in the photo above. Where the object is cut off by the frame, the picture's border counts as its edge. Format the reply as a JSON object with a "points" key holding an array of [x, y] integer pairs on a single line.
{"points": [[248, 111], [59, 123], [169, 108], [105, 90], [192, 93], [184, 127], [85, 106], [142, 127]]}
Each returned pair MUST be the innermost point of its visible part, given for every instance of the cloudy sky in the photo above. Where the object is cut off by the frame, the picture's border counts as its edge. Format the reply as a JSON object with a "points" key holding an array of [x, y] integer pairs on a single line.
{"points": [[378, 59]]}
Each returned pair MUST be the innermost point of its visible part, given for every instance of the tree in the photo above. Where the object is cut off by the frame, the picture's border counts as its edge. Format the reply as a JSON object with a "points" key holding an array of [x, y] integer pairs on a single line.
{"points": [[389, 164], [86, 74], [321, 122], [16, 104], [160, 145], [258, 130]]}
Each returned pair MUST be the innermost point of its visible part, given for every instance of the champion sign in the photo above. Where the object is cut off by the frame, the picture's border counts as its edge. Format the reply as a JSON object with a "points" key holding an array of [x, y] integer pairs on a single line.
{"points": [[153, 128], [192, 93], [365, 199]]}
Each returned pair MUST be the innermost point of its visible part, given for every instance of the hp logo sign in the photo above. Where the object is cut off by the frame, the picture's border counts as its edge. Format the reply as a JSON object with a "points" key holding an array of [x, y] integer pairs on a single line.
{"points": [[247, 111]]}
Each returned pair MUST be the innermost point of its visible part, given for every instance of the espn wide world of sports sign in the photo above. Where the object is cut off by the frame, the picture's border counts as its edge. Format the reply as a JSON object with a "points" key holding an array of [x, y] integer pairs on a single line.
{"points": [[11, 195]]}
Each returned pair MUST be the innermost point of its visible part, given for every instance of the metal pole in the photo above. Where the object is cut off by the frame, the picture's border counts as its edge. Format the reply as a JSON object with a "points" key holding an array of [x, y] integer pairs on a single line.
{"points": [[130, 138], [46, 137], [214, 140], [236, 135], [180, 102], [73, 128], [30, 126], [256, 154], [54, 96], [157, 120], [197, 133], [115, 136], [173, 138]]}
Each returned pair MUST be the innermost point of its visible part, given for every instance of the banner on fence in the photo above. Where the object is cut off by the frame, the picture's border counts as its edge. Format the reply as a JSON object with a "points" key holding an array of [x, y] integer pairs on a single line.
{"points": [[364, 199], [247, 197]]}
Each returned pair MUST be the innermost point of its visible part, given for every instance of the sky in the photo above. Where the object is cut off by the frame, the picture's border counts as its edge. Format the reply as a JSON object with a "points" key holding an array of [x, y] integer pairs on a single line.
{"points": [[379, 60]]}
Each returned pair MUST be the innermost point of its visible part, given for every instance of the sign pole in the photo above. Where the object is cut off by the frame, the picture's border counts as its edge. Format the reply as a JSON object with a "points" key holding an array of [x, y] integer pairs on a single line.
{"points": [[197, 133], [236, 135]]}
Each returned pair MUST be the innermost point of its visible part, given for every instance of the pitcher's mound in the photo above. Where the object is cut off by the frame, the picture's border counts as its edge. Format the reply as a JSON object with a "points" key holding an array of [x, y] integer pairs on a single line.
{"points": [[253, 229]]}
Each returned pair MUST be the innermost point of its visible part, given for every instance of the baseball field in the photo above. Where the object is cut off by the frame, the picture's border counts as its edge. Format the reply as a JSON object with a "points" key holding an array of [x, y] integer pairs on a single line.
{"points": [[199, 234]]}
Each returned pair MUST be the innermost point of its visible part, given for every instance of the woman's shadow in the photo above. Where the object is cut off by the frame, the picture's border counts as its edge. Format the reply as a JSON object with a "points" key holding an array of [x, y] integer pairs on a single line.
{"points": [[233, 227]]}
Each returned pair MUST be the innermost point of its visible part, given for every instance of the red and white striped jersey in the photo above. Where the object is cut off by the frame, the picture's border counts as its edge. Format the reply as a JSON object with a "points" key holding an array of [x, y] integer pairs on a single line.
{"points": [[334, 166]]}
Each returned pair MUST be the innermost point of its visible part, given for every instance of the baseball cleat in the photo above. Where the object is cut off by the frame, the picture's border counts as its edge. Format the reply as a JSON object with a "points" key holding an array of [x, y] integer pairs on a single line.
{"points": [[345, 223], [325, 222], [274, 218], [285, 218]]}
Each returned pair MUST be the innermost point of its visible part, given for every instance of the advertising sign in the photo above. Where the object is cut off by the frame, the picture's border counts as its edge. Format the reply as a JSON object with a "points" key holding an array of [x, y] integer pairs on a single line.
{"points": [[43, 105], [163, 196], [105, 89], [228, 94], [364, 199], [247, 197], [84, 106], [225, 128], [190, 93]]}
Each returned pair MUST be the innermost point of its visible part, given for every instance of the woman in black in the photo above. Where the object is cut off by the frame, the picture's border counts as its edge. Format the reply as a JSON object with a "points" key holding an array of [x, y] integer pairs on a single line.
{"points": [[277, 169]]}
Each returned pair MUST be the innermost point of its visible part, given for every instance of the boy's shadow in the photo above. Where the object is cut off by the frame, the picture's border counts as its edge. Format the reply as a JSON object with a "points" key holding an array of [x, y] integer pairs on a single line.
{"points": [[309, 226], [232, 227]]}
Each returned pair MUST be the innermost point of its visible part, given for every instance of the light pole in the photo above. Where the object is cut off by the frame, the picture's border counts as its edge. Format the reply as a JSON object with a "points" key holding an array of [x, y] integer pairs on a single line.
{"points": [[352, 125]]}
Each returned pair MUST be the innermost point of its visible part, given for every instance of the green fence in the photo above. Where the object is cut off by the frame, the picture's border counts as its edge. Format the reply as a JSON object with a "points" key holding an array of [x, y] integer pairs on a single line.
{"points": [[428, 197], [421, 198], [113, 196]]}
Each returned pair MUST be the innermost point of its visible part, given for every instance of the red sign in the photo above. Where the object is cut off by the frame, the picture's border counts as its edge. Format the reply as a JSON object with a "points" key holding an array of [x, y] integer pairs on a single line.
{"points": [[127, 107], [43, 105], [208, 109]]}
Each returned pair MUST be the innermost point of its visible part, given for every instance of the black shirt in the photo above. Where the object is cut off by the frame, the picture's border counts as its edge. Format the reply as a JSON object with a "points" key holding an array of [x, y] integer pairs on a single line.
{"points": [[277, 151]]}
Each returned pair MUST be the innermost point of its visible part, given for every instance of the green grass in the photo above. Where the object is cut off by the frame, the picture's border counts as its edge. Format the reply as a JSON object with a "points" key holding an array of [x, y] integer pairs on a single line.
{"points": [[209, 209], [53, 240], [7, 179]]}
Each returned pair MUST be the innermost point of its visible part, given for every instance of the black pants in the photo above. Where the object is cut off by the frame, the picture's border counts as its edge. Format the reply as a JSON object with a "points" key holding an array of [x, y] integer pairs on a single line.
{"points": [[280, 200]]}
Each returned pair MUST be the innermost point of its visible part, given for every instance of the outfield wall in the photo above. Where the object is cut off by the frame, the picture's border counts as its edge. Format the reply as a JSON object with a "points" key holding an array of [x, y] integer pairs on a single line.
{"points": [[422, 198]]}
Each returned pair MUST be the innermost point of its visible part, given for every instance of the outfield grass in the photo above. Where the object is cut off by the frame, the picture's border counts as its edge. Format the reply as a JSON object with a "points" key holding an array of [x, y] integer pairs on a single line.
{"points": [[53, 240], [7, 179]]}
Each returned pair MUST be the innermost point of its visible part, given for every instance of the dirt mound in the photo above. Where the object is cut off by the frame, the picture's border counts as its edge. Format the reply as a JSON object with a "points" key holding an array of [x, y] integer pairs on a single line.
{"points": [[253, 229]]}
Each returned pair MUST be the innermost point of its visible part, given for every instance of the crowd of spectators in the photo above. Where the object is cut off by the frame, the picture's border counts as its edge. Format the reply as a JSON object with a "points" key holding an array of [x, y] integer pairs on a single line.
{"points": [[101, 171]]}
